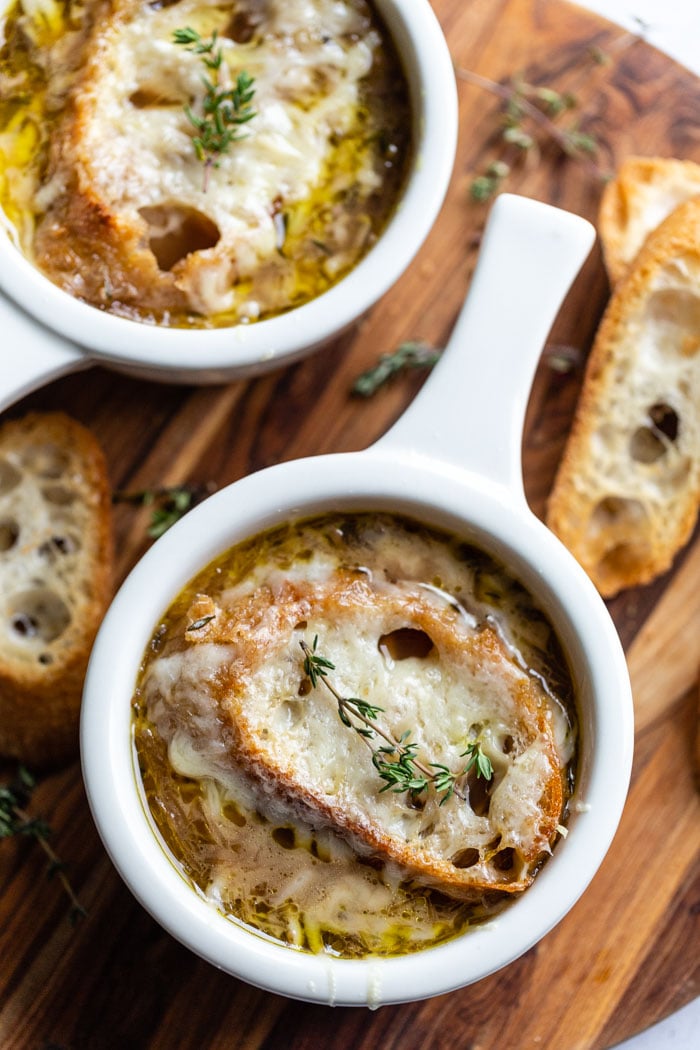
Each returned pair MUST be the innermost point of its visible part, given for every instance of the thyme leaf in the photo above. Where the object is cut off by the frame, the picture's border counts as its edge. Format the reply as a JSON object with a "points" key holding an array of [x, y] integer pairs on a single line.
{"points": [[478, 760], [315, 666], [487, 185], [16, 821], [223, 110], [412, 354]]}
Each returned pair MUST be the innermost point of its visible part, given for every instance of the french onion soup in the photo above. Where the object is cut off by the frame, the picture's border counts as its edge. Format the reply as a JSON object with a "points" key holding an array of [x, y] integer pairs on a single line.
{"points": [[200, 164], [356, 734]]}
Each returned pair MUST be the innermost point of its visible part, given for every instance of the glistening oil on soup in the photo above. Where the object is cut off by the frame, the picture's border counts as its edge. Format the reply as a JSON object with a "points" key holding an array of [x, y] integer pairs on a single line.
{"points": [[191, 164], [356, 734]]}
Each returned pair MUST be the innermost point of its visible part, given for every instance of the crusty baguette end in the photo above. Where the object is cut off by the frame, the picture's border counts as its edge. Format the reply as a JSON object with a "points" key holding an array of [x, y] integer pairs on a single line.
{"points": [[643, 193], [55, 580], [626, 496]]}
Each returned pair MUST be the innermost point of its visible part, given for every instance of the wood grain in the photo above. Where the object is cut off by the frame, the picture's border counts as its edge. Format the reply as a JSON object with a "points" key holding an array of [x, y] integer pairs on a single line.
{"points": [[628, 952]]}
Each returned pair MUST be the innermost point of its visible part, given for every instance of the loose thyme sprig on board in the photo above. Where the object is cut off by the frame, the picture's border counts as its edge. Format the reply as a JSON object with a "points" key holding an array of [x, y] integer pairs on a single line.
{"points": [[169, 503], [412, 354], [527, 106], [224, 110], [15, 821], [396, 761]]}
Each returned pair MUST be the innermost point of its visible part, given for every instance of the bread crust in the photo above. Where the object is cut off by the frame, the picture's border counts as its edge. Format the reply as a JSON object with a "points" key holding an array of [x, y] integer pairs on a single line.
{"points": [[56, 568], [643, 193], [626, 496]]}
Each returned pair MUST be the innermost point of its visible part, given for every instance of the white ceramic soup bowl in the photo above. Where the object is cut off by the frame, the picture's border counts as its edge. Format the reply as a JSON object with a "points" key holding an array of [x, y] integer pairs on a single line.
{"points": [[453, 461], [47, 333]]}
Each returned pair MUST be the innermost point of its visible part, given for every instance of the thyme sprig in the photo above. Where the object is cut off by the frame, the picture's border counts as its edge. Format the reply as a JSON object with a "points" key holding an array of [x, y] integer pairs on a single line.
{"points": [[396, 760], [412, 354], [527, 108], [16, 821], [224, 110], [169, 503], [478, 760]]}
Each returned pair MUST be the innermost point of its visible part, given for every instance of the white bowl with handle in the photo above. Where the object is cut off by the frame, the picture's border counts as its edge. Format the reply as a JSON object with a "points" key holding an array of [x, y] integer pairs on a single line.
{"points": [[452, 461], [48, 333]]}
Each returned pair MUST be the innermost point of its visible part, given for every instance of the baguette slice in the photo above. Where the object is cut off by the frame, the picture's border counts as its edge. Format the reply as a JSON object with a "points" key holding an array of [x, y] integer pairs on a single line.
{"points": [[625, 499], [643, 193], [289, 738], [55, 580], [132, 221]]}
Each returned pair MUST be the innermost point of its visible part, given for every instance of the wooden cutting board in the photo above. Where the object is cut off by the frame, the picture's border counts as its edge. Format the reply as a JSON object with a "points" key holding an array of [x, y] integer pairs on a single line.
{"points": [[628, 952]]}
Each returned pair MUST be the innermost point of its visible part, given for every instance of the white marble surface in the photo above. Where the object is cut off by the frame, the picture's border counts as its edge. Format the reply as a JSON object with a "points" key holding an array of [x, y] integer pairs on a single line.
{"points": [[674, 27], [671, 25]]}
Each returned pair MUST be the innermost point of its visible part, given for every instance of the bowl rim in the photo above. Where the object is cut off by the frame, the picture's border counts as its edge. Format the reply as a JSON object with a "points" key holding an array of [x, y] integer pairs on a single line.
{"points": [[448, 498], [244, 348]]}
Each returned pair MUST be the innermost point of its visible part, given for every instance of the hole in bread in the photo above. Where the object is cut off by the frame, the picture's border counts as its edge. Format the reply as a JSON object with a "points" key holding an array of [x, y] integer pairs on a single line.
{"points": [[45, 659], [651, 442], [38, 613], [292, 713], [9, 477], [58, 494], [414, 800], [615, 512], [9, 531], [46, 461], [285, 837], [57, 546], [25, 626], [151, 97], [646, 446], [231, 812], [679, 313], [504, 860], [406, 642], [466, 858], [478, 793], [176, 230], [245, 23], [665, 420]]}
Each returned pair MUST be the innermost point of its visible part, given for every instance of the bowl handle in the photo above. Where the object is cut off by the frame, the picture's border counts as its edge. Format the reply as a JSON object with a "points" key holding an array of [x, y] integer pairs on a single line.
{"points": [[471, 411], [31, 354]]}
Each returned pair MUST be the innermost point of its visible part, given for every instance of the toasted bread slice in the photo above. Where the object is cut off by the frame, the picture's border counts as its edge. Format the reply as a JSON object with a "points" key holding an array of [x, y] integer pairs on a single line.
{"points": [[55, 579], [643, 193], [626, 496], [137, 218], [492, 833]]}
